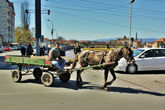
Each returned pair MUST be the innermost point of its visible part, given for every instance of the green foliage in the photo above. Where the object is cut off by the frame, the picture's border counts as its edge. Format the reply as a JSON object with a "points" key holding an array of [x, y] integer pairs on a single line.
{"points": [[22, 35]]}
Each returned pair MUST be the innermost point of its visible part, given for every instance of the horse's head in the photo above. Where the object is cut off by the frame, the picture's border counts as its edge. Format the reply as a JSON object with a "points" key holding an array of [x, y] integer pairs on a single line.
{"points": [[127, 53]]}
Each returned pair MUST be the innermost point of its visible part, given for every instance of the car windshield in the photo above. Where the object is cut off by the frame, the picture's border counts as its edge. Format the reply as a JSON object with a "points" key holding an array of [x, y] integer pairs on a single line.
{"points": [[137, 52]]}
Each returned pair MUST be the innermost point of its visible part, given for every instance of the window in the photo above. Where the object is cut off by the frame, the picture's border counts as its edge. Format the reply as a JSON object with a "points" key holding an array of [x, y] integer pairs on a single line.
{"points": [[160, 52], [149, 53], [136, 52]]}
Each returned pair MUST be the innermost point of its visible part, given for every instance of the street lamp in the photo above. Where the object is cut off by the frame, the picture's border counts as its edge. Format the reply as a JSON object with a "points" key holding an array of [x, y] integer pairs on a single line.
{"points": [[130, 22], [52, 31]]}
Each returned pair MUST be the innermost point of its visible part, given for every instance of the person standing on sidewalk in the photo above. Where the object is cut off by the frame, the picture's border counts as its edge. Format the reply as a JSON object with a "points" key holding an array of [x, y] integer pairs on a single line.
{"points": [[77, 48], [29, 49], [23, 51]]}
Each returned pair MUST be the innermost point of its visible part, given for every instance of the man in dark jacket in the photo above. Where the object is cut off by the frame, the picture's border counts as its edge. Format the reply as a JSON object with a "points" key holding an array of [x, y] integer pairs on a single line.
{"points": [[29, 49], [77, 48], [23, 50]]}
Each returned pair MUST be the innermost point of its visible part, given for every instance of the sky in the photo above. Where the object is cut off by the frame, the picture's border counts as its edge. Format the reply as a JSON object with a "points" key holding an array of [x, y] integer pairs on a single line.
{"points": [[98, 19]]}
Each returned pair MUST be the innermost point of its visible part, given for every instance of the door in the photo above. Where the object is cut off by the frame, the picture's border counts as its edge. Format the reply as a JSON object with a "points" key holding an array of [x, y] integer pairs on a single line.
{"points": [[147, 60], [160, 59]]}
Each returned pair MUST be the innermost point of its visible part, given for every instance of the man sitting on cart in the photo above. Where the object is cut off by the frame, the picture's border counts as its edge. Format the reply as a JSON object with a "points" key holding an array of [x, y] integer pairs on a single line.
{"points": [[55, 57]]}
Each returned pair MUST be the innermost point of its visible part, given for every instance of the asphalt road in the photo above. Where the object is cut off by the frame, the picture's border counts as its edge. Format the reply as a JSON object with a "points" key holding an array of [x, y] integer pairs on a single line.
{"points": [[142, 91]]}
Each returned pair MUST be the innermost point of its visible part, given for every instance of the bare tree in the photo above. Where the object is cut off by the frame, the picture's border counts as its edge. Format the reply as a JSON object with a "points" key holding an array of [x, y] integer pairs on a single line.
{"points": [[25, 17], [60, 38]]}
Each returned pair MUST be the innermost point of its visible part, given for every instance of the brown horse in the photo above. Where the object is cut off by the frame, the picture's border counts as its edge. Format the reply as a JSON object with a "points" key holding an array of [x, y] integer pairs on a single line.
{"points": [[86, 58]]}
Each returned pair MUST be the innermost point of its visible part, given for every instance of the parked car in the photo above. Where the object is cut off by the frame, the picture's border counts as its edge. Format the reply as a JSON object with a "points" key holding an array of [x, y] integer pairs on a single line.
{"points": [[7, 48], [14, 48], [146, 59], [1, 49]]}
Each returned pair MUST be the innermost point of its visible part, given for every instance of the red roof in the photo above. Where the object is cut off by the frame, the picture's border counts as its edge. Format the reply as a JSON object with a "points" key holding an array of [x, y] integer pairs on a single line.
{"points": [[136, 41], [46, 39], [33, 39], [160, 40]]}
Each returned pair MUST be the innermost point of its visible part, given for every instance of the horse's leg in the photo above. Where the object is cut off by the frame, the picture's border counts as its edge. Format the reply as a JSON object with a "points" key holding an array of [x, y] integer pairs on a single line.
{"points": [[79, 79], [114, 77], [105, 78], [74, 62]]}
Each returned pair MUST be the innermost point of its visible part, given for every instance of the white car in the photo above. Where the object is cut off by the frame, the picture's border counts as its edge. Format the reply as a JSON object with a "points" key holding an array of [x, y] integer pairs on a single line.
{"points": [[146, 59]]}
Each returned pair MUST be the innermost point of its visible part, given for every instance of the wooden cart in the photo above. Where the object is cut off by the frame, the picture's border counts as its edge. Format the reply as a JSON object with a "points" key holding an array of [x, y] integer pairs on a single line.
{"points": [[41, 66]]}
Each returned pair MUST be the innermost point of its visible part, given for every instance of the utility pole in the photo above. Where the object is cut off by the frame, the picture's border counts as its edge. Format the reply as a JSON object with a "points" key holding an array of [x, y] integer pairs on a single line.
{"points": [[52, 31], [38, 25], [130, 22]]}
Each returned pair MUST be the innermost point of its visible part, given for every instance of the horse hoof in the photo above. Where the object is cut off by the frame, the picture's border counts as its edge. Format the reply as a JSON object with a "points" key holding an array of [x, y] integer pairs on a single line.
{"points": [[104, 86], [106, 89]]}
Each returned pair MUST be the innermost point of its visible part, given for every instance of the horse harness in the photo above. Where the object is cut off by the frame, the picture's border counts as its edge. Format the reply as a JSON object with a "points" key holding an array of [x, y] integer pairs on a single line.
{"points": [[102, 58]]}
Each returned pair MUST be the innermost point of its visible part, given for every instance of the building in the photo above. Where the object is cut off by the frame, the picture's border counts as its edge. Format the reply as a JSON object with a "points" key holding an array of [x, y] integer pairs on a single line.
{"points": [[46, 41], [7, 22], [137, 43], [149, 45], [159, 43]]}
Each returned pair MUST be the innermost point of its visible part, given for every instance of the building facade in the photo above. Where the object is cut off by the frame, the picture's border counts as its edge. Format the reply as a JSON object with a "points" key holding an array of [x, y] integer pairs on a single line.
{"points": [[7, 22]]}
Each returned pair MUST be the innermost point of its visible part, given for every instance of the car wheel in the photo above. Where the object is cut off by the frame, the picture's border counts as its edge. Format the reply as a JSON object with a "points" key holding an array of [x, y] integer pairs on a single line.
{"points": [[131, 68]]}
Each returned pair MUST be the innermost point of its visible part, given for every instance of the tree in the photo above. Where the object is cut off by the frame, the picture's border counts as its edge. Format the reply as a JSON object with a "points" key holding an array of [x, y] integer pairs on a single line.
{"points": [[60, 38], [25, 18], [22, 35], [125, 37], [132, 40]]}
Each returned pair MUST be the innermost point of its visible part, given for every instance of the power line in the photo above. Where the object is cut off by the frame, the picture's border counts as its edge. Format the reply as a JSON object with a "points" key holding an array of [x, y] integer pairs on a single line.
{"points": [[105, 9], [156, 11], [105, 13], [157, 0], [105, 22], [109, 5]]}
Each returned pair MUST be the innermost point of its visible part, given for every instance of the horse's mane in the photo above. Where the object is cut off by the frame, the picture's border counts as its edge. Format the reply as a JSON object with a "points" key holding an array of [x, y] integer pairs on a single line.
{"points": [[112, 55]]}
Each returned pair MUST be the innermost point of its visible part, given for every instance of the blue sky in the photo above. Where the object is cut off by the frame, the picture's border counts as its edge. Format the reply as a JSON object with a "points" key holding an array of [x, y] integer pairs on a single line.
{"points": [[99, 19]]}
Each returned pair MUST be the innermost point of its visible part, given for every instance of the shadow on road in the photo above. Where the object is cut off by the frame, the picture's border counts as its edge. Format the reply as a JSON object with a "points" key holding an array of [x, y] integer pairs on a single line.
{"points": [[71, 84], [126, 90], [134, 91], [31, 81]]}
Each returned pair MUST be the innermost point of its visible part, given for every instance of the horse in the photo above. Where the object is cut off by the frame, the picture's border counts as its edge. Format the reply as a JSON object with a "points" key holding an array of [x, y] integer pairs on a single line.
{"points": [[91, 58]]}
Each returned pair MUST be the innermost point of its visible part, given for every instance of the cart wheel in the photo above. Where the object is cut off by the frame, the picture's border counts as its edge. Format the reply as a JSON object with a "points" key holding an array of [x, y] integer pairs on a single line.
{"points": [[16, 76], [47, 79], [37, 73], [64, 77]]}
